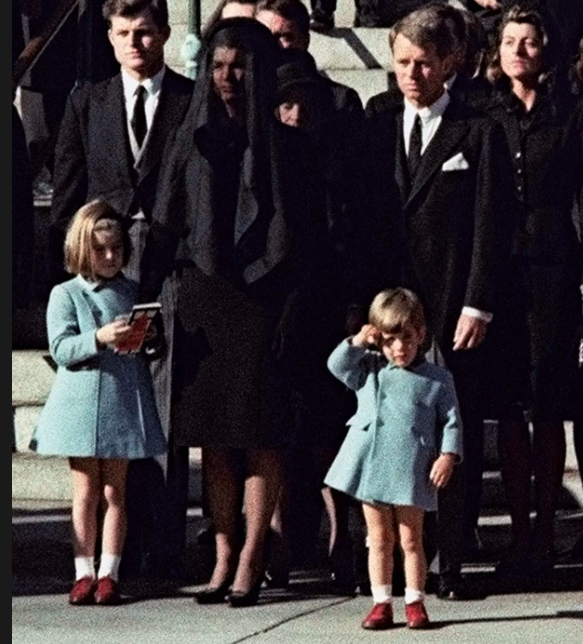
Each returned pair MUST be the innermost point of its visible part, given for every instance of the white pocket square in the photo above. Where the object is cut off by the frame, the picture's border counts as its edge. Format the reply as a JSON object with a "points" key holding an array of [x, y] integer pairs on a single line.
{"points": [[457, 162]]}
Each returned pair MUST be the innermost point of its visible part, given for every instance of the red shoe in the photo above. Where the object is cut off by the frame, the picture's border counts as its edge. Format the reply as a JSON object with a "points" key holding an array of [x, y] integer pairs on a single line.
{"points": [[107, 593], [379, 618], [416, 615], [82, 592]]}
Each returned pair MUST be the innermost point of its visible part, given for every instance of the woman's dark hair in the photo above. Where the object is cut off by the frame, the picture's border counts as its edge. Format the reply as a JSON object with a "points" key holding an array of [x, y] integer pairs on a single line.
{"points": [[522, 15]]}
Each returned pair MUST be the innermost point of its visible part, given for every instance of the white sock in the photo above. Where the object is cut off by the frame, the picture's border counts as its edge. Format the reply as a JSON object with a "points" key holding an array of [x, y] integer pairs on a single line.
{"points": [[382, 594], [84, 567], [109, 566], [412, 595]]}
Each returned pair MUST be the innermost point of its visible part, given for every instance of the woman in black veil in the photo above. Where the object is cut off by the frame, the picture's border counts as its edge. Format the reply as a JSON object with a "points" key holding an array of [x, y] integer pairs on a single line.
{"points": [[239, 220]]}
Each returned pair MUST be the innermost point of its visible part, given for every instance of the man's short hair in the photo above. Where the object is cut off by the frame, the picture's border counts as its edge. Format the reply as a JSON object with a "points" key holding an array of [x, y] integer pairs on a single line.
{"points": [[130, 8], [426, 27], [293, 10], [252, 4]]}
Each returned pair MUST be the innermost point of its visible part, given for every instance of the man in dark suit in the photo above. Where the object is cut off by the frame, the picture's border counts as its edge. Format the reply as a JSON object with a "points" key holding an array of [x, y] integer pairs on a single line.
{"points": [[441, 217], [110, 145], [97, 152]]}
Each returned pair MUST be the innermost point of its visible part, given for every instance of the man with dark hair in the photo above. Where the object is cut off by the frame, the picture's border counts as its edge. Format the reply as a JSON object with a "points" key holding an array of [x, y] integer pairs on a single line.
{"points": [[289, 21], [239, 8], [110, 145], [442, 218]]}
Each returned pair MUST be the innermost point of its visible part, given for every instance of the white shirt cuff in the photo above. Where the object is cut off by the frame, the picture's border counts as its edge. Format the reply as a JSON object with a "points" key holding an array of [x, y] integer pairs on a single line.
{"points": [[476, 313]]}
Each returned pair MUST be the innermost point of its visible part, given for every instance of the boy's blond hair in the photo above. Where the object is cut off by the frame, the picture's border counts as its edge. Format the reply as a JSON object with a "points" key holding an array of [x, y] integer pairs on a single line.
{"points": [[95, 216], [393, 309]]}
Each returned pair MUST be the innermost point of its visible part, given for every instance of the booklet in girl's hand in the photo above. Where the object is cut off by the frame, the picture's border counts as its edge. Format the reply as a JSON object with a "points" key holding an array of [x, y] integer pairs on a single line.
{"points": [[140, 320]]}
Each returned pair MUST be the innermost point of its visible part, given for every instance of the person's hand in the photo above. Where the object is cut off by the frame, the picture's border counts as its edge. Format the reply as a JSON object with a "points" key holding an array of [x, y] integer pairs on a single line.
{"points": [[442, 470], [367, 336], [470, 332], [355, 318], [113, 333], [489, 4]]}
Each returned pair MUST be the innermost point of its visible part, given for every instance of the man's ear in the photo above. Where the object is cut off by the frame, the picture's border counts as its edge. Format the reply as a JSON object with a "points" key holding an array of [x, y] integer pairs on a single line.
{"points": [[166, 31]]}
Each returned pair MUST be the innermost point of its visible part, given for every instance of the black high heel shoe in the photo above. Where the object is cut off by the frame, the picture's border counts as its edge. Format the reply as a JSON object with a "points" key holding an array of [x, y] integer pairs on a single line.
{"points": [[240, 599], [214, 595]]}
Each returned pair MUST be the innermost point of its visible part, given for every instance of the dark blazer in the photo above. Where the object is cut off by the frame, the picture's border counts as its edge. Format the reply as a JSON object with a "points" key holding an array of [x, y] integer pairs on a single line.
{"points": [[547, 168], [93, 155], [447, 228]]}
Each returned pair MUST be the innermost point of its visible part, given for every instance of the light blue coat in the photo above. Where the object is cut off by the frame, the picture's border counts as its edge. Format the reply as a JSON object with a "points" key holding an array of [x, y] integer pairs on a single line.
{"points": [[405, 418], [101, 404]]}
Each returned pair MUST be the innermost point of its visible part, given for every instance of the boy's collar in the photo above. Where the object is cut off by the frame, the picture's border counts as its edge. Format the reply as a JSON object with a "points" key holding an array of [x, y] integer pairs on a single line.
{"points": [[419, 360]]}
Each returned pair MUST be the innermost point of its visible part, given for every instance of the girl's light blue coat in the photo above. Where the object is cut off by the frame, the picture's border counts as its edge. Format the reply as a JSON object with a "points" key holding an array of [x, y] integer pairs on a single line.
{"points": [[405, 418], [101, 404]]}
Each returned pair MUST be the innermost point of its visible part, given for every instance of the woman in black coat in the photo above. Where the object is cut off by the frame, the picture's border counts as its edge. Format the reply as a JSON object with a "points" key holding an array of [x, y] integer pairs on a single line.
{"points": [[540, 295], [237, 218]]}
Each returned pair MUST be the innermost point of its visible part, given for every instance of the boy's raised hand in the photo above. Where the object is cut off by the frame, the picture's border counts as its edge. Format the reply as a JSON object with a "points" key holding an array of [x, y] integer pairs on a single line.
{"points": [[368, 335], [442, 469]]}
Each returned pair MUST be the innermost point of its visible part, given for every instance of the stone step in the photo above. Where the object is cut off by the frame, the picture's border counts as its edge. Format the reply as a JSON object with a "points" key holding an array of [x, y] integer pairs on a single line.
{"points": [[48, 479]]}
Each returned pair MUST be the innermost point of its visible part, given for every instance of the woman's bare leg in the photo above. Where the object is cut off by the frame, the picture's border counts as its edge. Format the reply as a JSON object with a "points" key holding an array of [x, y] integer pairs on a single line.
{"points": [[223, 487], [262, 488]]}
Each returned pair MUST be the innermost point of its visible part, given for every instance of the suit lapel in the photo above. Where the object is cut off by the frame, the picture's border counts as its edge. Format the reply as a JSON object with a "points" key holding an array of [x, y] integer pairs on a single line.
{"points": [[450, 132], [168, 113], [107, 128], [401, 171]]}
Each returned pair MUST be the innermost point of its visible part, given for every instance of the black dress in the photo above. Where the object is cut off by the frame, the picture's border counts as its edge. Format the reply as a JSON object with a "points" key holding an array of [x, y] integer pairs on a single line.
{"points": [[540, 292], [238, 217]]}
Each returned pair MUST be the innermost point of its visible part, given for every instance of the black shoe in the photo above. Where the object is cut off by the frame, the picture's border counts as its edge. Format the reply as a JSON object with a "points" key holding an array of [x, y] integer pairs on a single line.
{"points": [[449, 588], [215, 595], [321, 21], [240, 599]]}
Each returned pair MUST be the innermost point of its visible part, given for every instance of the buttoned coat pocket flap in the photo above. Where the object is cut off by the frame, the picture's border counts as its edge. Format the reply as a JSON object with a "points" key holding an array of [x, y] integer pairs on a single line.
{"points": [[457, 162]]}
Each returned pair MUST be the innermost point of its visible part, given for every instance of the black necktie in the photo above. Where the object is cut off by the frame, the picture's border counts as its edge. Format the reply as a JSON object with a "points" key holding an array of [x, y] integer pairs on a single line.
{"points": [[138, 122], [414, 156]]}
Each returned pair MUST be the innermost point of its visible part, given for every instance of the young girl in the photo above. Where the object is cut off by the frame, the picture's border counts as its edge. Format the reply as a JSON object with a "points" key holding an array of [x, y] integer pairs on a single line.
{"points": [[101, 410], [401, 447]]}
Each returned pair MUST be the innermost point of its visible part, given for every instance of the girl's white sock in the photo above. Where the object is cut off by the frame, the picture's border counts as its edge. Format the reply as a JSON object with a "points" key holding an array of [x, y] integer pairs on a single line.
{"points": [[84, 567], [382, 594], [412, 595], [109, 566]]}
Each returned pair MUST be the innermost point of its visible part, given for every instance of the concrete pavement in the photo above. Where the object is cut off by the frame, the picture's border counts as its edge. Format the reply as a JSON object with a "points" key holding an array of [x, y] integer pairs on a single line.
{"points": [[157, 612]]}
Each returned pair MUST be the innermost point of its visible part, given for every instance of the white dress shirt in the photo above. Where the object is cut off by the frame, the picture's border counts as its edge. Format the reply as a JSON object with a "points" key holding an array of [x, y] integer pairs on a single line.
{"points": [[153, 87]]}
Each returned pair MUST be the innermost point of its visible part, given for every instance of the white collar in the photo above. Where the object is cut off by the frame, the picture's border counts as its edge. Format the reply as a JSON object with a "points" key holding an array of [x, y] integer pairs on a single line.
{"points": [[429, 113], [153, 85]]}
